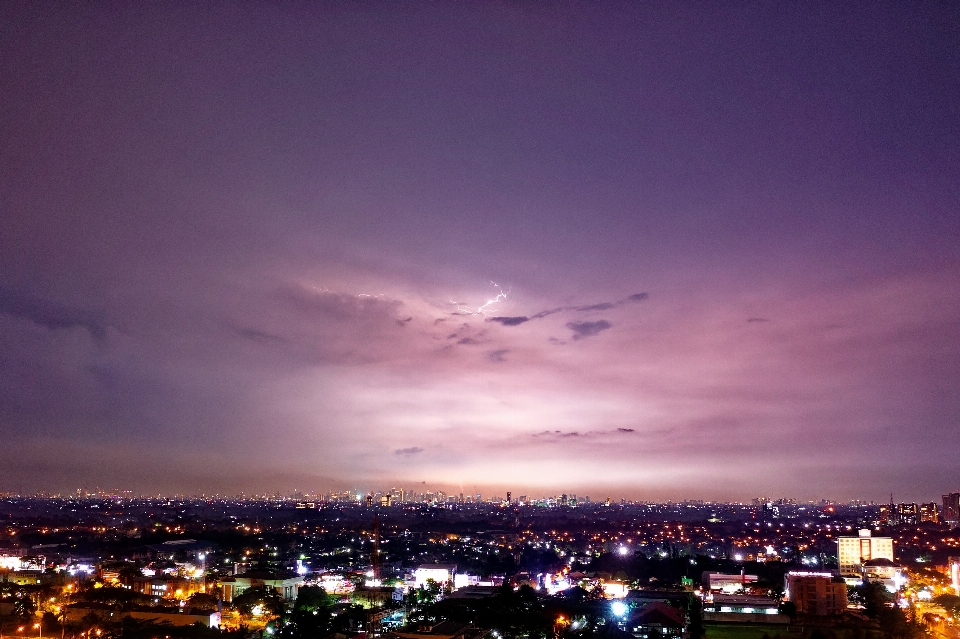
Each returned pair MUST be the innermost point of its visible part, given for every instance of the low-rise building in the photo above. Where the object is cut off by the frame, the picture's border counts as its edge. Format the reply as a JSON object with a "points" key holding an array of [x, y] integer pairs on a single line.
{"points": [[286, 584], [816, 593], [743, 609], [728, 583], [657, 620], [172, 615], [884, 571], [439, 573]]}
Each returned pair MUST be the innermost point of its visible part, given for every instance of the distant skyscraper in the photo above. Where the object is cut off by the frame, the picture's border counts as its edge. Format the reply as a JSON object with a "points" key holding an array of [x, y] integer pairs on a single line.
{"points": [[951, 509], [888, 515], [908, 514], [929, 512]]}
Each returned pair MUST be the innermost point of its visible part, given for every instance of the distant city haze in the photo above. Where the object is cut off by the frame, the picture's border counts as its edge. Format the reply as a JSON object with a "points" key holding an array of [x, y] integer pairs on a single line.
{"points": [[644, 250]]}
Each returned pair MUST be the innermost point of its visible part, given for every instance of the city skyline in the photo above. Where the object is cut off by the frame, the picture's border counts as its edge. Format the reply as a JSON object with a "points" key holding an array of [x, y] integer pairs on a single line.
{"points": [[656, 251]]}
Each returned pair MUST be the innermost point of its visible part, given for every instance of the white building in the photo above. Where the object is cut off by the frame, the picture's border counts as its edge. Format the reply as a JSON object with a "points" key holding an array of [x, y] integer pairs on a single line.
{"points": [[853, 551], [440, 573]]}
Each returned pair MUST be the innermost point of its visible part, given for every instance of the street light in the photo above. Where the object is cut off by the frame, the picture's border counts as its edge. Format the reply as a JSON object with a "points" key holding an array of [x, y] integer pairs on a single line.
{"points": [[40, 628]]}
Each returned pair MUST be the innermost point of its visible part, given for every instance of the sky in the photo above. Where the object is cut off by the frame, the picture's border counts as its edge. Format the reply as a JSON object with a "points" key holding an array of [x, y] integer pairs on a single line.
{"points": [[654, 250]]}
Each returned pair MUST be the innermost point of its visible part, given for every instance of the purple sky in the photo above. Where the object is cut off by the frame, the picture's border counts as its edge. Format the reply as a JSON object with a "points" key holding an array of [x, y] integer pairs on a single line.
{"points": [[252, 247]]}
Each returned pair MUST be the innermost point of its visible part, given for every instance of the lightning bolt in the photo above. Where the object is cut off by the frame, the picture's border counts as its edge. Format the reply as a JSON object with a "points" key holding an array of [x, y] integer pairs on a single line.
{"points": [[499, 298], [482, 309]]}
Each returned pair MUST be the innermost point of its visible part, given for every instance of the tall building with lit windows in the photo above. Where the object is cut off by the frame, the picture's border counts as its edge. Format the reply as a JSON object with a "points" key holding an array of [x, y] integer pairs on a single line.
{"points": [[853, 551], [929, 512], [951, 509]]}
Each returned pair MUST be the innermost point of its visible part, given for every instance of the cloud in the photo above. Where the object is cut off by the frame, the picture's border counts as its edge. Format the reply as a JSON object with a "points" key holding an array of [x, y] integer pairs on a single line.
{"points": [[559, 434], [600, 306], [542, 314], [413, 450], [50, 314], [604, 306], [757, 319], [497, 356], [509, 321], [582, 330], [467, 341]]}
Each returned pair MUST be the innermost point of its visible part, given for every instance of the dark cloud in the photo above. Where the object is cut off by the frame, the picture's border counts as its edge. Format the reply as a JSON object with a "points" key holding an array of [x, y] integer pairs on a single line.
{"points": [[497, 356], [467, 341], [605, 306], [600, 306], [757, 319], [509, 321], [413, 450], [558, 433], [582, 330], [50, 314], [574, 433], [542, 314]]}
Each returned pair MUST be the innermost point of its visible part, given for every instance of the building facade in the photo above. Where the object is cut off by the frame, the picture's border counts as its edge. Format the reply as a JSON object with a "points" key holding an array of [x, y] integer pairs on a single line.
{"points": [[951, 509], [853, 551], [287, 585], [816, 593]]}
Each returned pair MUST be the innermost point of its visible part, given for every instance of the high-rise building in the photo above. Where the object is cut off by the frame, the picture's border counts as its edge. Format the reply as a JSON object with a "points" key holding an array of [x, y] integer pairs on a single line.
{"points": [[889, 516], [929, 512], [951, 509], [908, 514], [853, 551]]}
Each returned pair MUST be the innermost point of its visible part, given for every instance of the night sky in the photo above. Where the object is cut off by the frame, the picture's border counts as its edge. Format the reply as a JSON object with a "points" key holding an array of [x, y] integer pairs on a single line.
{"points": [[656, 250]]}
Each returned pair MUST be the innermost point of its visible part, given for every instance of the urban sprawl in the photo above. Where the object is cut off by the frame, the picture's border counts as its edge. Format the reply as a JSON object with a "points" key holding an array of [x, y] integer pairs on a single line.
{"points": [[425, 565]]}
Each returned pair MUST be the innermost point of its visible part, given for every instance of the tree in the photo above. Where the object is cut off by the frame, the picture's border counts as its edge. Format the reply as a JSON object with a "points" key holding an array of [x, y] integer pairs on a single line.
{"points": [[311, 598], [950, 602], [259, 600], [23, 606], [202, 600]]}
